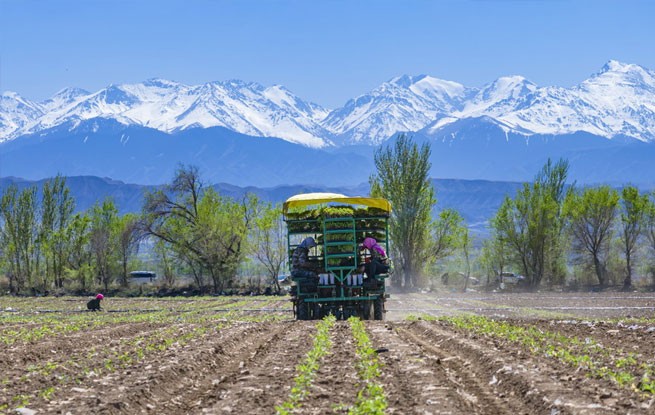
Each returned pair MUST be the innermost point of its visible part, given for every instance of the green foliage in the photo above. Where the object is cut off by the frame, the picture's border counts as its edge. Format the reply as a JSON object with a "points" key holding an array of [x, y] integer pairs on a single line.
{"points": [[269, 242], [634, 209], [128, 234], [447, 234], [306, 370], [529, 228], [591, 214], [57, 208], [19, 236], [619, 366], [103, 240], [370, 398], [205, 231], [402, 177]]}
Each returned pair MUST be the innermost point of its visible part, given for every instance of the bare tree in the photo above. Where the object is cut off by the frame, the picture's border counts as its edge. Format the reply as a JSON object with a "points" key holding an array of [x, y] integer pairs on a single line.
{"points": [[269, 241]]}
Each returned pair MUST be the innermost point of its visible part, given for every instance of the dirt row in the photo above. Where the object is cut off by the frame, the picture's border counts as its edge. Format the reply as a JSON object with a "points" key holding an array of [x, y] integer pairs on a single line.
{"points": [[491, 376], [428, 367]]}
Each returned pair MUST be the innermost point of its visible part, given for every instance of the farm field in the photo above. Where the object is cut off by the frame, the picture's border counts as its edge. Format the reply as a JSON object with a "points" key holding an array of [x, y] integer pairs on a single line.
{"points": [[484, 353]]}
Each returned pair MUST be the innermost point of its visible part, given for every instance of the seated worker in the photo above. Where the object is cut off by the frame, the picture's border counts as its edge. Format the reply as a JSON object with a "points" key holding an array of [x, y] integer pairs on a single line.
{"points": [[301, 266], [377, 263]]}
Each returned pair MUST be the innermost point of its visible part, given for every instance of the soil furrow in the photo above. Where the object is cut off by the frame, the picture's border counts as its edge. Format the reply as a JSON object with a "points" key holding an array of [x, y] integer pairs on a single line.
{"points": [[156, 380], [260, 377], [336, 383], [523, 380], [419, 378]]}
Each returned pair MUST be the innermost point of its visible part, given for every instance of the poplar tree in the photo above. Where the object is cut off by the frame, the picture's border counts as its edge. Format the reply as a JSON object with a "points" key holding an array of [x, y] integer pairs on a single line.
{"points": [[57, 206], [402, 177], [18, 214], [633, 213], [103, 240]]}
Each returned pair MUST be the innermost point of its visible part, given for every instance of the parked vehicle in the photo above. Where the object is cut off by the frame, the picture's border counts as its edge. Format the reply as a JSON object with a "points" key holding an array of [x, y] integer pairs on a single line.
{"points": [[510, 278], [338, 225]]}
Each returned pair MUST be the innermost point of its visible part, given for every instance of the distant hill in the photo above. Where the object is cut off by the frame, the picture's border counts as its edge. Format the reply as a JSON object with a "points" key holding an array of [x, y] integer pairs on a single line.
{"points": [[475, 200]]}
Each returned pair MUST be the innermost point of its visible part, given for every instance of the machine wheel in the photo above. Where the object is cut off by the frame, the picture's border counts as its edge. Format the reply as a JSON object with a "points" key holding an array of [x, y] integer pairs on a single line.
{"points": [[316, 311], [366, 310], [303, 311], [339, 314], [378, 308]]}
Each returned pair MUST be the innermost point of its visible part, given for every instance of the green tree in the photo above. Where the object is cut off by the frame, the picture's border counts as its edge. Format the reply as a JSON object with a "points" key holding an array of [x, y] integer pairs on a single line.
{"points": [[466, 243], [79, 257], [224, 241], [531, 224], [166, 262], [129, 236], [591, 214], [633, 214], [495, 255], [402, 178], [649, 226], [269, 241], [18, 212], [103, 240], [446, 234], [57, 208], [207, 232]]}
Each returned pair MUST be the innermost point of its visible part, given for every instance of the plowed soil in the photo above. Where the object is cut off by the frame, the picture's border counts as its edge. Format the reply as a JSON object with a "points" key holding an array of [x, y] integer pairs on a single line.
{"points": [[241, 365]]}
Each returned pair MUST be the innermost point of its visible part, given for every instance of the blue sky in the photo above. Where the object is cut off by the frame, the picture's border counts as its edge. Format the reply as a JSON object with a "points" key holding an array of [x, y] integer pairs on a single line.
{"points": [[324, 51]]}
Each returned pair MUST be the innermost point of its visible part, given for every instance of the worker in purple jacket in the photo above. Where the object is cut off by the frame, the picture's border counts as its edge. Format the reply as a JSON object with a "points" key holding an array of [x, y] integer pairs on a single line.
{"points": [[377, 262]]}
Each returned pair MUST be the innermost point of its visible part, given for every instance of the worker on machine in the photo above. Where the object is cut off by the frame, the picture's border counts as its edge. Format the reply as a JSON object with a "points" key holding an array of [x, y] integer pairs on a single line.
{"points": [[301, 266], [377, 262]]}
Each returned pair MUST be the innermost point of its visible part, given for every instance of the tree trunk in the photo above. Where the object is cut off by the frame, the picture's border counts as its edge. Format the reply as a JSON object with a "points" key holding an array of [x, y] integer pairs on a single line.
{"points": [[627, 283], [600, 271]]}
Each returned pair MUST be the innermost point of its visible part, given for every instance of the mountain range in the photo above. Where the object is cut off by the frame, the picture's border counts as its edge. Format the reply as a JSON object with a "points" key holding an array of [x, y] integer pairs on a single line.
{"points": [[247, 134]]}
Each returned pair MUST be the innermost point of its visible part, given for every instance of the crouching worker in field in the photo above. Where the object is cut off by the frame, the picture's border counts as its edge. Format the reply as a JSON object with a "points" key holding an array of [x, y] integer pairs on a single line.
{"points": [[377, 263], [94, 305], [301, 266]]}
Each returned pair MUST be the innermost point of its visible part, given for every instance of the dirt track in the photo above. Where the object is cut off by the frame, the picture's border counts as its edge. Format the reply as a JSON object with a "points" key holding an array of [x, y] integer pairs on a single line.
{"points": [[248, 367]]}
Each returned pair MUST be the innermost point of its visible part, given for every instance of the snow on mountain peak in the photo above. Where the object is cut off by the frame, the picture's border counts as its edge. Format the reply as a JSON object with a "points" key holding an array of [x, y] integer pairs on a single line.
{"points": [[404, 103], [622, 74], [10, 95], [616, 66], [160, 83], [617, 100]]}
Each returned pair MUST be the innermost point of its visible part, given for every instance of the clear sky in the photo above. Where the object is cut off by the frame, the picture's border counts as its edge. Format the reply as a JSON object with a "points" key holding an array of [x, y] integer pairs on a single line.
{"points": [[323, 51]]}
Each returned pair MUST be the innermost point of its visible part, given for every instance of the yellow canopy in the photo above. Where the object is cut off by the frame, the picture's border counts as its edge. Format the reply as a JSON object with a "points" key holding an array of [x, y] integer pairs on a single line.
{"points": [[307, 199]]}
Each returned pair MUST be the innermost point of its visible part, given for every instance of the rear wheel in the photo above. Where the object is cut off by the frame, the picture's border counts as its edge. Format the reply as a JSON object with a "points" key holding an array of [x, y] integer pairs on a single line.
{"points": [[378, 308], [303, 311], [316, 311], [366, 310]]}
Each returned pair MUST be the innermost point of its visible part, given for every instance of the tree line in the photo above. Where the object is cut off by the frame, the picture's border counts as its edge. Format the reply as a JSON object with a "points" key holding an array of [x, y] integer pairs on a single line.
{"points": [[548, 231], [191, 230]]}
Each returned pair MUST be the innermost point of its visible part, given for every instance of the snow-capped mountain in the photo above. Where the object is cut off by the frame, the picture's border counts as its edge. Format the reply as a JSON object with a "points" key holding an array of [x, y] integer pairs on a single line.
{"points": [[16, 113], [405, 103], [247, 108], [617, 101]]}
